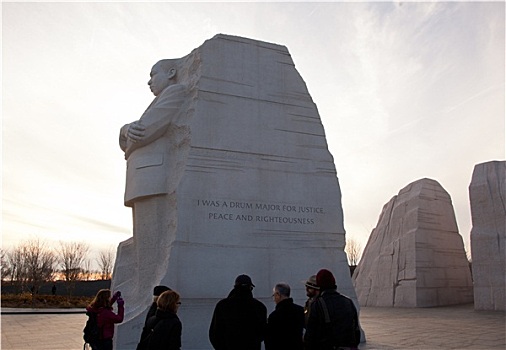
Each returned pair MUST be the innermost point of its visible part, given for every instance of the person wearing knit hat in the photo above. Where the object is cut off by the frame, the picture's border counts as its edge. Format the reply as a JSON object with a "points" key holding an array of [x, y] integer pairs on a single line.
{"points": [[239, 321], [333, 318], [312, 292], [325, 280], [156, 293]]}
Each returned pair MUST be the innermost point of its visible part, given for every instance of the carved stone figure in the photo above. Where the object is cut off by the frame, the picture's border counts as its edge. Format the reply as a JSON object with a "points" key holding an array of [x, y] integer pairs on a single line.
{"points": [[487, 194], [228, 173], [152, 146], [415, 256]]}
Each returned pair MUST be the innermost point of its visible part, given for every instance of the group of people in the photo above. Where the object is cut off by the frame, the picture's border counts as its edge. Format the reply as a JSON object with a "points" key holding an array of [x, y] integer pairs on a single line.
{"points": [[328, 320]]}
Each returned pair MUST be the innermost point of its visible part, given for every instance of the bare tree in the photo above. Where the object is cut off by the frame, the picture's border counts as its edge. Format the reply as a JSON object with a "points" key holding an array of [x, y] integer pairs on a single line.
{"points": [[72, 256], [87, 272], [469, 256], [39, 263], [105, 263], [353, 250], [6, 269], [16, 260]]}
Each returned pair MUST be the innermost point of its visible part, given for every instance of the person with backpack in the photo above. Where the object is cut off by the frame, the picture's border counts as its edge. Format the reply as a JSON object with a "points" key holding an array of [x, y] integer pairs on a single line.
{"points": [[99, 334], [333, 319], [163, 330]]}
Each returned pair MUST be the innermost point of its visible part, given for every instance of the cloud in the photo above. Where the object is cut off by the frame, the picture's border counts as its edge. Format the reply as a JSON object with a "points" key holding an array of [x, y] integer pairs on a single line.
{"points": [[402, 92]]}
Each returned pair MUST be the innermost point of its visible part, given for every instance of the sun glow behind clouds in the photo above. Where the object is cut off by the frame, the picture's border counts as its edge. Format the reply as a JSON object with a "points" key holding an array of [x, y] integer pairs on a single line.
{"points": [[404, 92]]}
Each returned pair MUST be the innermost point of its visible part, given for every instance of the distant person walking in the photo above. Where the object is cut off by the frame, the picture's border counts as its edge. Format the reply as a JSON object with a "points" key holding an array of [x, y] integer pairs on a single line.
{"points": [[106, 318], [239, 321], [285, 324], [312, 292], [53, 290], [333, 319], [163, 330]]}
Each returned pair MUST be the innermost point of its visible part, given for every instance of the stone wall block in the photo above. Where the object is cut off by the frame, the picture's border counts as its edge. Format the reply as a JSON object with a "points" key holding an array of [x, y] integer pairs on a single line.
{"points": [[487, 194], [415, 256]]}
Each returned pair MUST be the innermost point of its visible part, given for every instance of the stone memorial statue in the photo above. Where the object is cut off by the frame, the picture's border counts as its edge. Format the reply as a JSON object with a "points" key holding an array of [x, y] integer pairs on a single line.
{"points": [[151, 145], [228, 173], [487, 195]]}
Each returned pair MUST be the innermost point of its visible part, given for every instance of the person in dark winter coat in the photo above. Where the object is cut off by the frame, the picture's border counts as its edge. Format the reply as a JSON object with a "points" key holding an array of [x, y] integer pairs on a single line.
{"points": [[312, 292], [239, 321], [163, 331], [156, 293], [286, 323], [106, 318], [333, 320]]}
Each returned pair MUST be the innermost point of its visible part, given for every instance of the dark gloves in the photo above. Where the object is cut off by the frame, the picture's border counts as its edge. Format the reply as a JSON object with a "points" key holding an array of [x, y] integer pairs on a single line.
{"points": [[120, 301], [115, 297]]}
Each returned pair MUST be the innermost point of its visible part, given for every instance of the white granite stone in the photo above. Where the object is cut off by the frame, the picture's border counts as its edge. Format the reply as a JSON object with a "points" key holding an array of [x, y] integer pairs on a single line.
{"points": [[253, 190], [415, 256], [487, 194]]}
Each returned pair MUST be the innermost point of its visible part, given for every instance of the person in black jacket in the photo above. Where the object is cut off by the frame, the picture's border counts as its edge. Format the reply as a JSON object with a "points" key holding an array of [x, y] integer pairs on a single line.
{"points": [[333, 320], [286, 323], [312, 292], [156, 293], [239, 320], [163, 331]]}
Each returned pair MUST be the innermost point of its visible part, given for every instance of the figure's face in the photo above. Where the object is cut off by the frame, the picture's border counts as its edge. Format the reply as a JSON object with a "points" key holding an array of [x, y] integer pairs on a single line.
{"points": [[311, 292], [159, 80], [276, 296]]}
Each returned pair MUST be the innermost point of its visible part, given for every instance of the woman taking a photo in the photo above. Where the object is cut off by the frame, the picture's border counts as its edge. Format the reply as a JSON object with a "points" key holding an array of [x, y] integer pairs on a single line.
{"points": [[163, 331], [106, 318]]}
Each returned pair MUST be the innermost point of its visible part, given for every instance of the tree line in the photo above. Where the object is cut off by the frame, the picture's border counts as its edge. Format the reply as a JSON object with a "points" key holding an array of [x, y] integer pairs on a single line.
{"points": [[353, 251], [33, 263]]}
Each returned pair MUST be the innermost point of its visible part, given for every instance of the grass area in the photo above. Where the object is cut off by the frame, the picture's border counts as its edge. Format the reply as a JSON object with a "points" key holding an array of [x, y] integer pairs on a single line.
{"points": [[26, 300]]}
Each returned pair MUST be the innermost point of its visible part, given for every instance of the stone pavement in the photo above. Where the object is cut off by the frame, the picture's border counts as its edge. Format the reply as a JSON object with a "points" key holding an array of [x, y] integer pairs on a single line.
{"points": [[455, 327]]}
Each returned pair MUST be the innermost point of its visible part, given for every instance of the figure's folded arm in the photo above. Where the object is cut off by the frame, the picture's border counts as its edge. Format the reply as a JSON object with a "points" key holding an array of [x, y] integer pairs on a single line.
{"points": [[123, 136], [158, 117]]}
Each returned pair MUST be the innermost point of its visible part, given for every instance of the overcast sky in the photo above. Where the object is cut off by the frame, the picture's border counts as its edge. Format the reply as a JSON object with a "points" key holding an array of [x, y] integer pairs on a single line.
{"points": [[404, 90]]}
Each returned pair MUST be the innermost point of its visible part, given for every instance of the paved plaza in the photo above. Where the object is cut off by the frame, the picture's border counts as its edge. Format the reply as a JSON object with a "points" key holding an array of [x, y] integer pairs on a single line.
{"points": [[456, 327]]}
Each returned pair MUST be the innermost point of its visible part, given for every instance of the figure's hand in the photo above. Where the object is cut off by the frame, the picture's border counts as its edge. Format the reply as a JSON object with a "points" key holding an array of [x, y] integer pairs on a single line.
{"points": [[120, 302], [136, 131], [115, 296]]}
